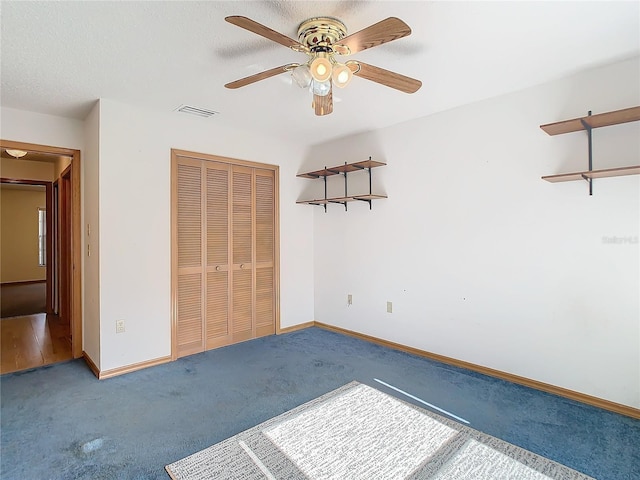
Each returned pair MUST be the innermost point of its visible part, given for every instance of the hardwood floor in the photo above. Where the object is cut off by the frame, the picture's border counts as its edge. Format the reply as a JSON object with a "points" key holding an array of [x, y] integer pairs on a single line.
{"points": [[23, 298], [32, 341]]}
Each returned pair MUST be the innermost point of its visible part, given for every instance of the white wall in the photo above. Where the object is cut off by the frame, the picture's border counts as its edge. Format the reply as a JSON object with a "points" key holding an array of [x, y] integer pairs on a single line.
{"points": [[31, 127], [126, 200], [484, 261], [41, 129], [135, 230]]}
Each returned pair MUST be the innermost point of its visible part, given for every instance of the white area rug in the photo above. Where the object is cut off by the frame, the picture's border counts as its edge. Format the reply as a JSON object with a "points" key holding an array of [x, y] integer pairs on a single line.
{"points": [[358, 432]]}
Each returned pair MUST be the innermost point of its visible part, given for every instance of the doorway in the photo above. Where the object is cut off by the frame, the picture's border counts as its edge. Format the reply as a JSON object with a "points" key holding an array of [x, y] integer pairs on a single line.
{"points": [[56, 334]]}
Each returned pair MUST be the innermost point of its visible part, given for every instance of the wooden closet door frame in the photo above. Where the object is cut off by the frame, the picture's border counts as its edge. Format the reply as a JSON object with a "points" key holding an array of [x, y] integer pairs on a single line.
{"points": [[177, 154]]}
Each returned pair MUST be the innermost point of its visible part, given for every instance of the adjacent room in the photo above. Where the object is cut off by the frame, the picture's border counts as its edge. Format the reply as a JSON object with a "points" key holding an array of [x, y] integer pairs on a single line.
{"points": [[291, 239], [35, 326]]}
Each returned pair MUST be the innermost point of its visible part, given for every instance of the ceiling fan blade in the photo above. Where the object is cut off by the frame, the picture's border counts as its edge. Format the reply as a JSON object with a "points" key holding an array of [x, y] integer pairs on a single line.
{"points": [[384, 31], [323, 105], [265, 32], [386, 77], [257, 77]]}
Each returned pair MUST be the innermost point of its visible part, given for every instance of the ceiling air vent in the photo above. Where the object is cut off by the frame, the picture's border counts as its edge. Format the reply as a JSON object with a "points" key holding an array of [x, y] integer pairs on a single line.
{"points": [[199, 112]]}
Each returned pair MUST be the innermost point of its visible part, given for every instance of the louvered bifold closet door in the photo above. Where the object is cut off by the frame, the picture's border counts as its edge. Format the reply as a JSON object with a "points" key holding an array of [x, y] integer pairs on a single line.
{"points": [[225, 259], [242, 268], [218, 253], [189, 308], [265, 252]]}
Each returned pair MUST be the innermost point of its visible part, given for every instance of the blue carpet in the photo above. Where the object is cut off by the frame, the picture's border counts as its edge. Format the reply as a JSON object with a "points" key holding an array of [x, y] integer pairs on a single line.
{"points": [[60, 422]]}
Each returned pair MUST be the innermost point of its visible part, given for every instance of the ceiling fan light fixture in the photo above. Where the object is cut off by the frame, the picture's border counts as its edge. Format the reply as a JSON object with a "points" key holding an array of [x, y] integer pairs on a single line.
{"points": [[16, 153], [321, 68], [321, 89], [341, 75], [302, 76], [322, 38]]}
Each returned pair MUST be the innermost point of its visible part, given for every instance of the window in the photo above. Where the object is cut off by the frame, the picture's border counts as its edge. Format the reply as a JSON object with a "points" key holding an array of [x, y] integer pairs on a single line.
{"points": [[42, 237]]}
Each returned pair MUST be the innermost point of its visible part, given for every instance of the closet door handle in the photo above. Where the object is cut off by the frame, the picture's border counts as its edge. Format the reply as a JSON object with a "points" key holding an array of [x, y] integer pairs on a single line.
{"points": [[217, 268], [241, 266]]}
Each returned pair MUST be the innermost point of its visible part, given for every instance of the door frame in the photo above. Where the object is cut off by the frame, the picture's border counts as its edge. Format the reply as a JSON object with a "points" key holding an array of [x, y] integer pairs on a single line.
{"points": [[55, 266], [75, 256], [49, 228], [175, 155], [64, 222]]}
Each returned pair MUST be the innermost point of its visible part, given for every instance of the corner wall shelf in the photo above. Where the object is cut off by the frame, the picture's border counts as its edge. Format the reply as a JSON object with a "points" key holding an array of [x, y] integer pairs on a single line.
{"points": [[344, 170], [587, 124]]}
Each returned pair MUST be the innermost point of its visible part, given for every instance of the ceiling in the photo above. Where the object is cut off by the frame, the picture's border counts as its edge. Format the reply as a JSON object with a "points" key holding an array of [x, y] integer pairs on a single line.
{"points": [[34, 156], [59, 57]]}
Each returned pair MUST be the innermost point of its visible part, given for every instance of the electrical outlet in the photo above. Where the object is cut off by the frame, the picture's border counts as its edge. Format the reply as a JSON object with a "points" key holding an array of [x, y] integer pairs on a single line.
{"points": [[389, 307], [349, 299], [119, 326]]}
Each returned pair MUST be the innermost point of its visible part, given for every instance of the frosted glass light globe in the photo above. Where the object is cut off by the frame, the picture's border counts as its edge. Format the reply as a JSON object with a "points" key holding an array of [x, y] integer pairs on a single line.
{"points": [[321, 69], [341, 76], [302, 76], [321, 89]]}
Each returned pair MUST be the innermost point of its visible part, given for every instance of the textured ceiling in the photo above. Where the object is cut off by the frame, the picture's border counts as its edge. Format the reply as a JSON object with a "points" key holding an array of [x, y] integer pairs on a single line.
{"points": [[59, 57]]}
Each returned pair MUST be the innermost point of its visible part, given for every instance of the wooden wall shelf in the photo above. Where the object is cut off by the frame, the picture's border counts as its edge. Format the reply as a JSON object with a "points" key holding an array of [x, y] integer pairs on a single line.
{"points": [[343, 170], [587, 124], [607, 172], [346, 168], [593, 121], [324, 201]]}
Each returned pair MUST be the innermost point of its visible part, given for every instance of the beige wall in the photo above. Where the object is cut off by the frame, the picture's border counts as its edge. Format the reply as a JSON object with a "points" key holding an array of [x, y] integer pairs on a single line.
{"points": [[19, 234], [60, 165], [27, 170]]}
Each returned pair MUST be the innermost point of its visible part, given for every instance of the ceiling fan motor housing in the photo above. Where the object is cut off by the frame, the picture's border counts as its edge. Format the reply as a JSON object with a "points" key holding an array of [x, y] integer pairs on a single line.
{"points": [[319, 33]]}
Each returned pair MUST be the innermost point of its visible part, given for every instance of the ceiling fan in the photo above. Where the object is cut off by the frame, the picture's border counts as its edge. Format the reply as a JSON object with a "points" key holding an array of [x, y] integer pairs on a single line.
{"points": [[322, 38]]}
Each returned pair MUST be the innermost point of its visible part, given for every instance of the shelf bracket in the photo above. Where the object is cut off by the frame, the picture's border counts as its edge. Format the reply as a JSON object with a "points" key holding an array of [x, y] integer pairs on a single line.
{"points": [[588, 129], [370, 192], [368, 200], [325, 192], [345, 187]]}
